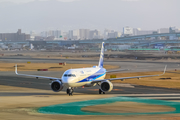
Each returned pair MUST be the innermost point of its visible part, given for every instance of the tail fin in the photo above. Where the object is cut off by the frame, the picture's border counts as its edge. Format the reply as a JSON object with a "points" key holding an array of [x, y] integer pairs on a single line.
{"points": [[101, 60]]}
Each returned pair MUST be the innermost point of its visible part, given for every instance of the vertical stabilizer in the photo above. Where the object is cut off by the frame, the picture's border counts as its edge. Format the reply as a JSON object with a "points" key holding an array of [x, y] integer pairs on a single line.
{"points": [[101, 60]]}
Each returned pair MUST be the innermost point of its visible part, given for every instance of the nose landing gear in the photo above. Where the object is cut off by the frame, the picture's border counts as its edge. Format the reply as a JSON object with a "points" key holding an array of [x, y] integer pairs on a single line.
{"points": [[70, 91]]}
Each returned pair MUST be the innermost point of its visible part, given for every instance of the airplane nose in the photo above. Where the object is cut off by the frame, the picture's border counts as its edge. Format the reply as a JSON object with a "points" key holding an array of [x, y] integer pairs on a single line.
{"points": [[67, 82]]}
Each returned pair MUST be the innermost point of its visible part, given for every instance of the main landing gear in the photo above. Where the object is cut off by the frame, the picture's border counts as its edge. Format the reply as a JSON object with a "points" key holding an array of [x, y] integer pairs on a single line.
{"points": [[70, 91], [100, 91]]}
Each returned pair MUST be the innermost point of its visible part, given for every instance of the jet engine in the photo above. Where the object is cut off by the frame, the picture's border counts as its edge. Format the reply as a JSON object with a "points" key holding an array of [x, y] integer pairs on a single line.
{"points": [[106, 86], [56, 86]]}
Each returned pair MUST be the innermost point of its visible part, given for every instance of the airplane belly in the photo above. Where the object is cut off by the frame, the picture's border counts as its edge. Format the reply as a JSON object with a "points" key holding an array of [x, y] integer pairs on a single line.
{"points": [[76, 84]]}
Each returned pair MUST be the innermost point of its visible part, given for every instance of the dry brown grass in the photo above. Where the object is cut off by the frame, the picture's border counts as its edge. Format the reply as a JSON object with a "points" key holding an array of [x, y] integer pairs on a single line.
{"points": [[158, 81], [49, 66]]}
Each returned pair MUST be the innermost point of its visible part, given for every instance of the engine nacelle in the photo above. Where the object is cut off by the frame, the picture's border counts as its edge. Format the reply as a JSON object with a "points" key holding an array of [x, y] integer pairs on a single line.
{"points": [[56, 86], [106, 86]]}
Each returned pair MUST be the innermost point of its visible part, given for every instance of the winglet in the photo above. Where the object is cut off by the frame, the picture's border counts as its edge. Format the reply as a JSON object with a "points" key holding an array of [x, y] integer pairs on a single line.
{"points": [[16, 69], [164, 70]]}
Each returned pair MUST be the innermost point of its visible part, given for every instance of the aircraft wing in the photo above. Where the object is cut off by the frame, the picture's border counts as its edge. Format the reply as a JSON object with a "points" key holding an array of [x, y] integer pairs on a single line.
{"points": [[35, 76], [118, 70], [123, 78]]}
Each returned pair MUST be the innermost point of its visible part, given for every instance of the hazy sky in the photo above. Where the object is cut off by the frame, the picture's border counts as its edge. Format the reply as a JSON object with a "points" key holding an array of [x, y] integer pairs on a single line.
{"points": [[93, 14], [23, 1]]}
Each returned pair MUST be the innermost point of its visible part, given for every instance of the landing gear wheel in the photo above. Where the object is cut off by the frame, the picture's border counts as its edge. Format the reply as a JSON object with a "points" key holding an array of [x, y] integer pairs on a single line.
{"points": [[104, 93], [71, 92], [67, 91], [100, 91]]}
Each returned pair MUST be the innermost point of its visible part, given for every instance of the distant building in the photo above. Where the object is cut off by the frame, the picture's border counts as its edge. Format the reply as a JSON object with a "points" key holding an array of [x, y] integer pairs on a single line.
{"points": [[163, 30], [138, 31], [106, 31], [14, 36], [146, 32], [50, 38], [76, 35], [173, 30], [84, 34], [70, 34], [127, 31], [39, 38], [114, 34], [64, 35], [111, 35], [94, 34], [56, 33]]}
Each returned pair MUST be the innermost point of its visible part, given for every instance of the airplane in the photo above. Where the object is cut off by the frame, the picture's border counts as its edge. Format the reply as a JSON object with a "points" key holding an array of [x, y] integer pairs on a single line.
{"points": [[85, 77]]}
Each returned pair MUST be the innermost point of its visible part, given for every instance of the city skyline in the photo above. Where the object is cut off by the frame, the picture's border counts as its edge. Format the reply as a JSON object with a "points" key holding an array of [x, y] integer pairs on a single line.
{"points": [[87, 34], [81, 34]]}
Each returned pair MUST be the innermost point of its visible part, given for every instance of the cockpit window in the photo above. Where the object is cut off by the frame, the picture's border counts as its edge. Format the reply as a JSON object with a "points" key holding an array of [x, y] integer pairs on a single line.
{"points": [[73, 75], [69, 75]]}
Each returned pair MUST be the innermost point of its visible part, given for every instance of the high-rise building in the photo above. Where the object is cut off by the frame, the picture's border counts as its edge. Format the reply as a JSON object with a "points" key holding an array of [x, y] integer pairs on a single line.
{"points": [[76, 35], [84, 34], [57, 34], [70, 34]]}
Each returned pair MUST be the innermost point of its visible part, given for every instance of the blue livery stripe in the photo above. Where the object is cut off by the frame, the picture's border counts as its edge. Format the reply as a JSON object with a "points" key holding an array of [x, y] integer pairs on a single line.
{"points": [[94, 76], [91, 78]]}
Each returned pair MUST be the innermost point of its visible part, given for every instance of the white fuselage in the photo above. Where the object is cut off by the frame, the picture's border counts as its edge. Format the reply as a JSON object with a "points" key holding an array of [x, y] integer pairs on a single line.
{"points": [[82, 76]]}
